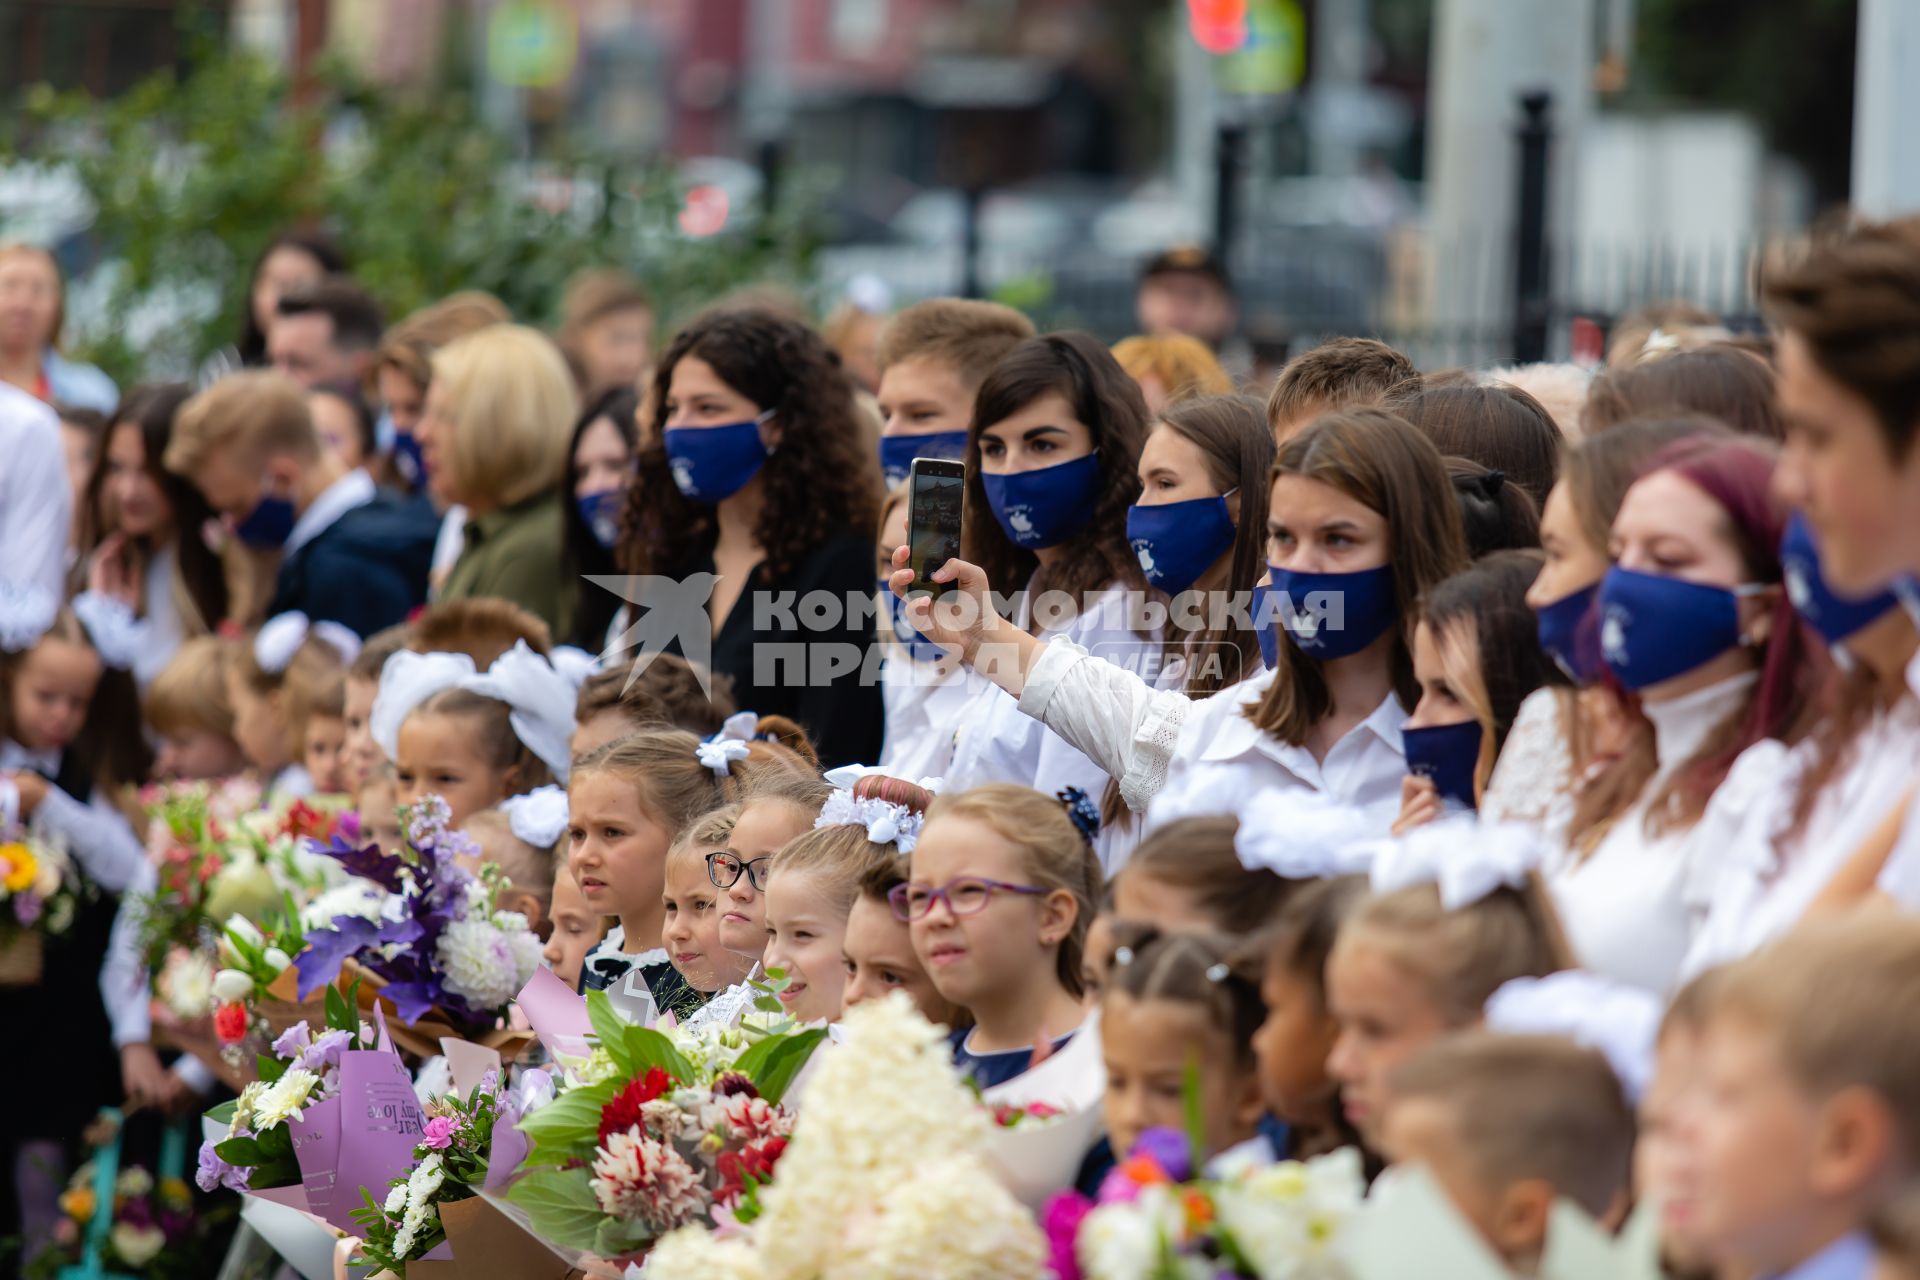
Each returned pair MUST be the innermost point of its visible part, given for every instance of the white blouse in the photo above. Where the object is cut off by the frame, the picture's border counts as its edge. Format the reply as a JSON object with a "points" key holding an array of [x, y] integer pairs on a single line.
{"points": [[1627, 905], [925, 708], [1766, 881], [1900, 877], [1535, 768]]}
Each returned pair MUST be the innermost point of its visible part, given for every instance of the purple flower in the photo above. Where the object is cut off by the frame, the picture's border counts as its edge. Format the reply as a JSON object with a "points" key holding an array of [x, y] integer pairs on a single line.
{"points": [[1061, 1222], [215, 1172], [1167, 1148], [293, 1042], [325, 1052], [26, 907], [439, 1133]]}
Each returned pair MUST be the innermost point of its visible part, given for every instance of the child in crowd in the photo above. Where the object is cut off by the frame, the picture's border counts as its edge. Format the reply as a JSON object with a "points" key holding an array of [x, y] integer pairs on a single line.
{"points": [[188, 708], [275, 678], [577, 927], [1338, 373], [1509, 1124], [324, 741], [482, 627], [1406, 969], [811, 887], [998, 906], [667, 691], [1177, 1023], [1808, 1117], [878, 951], [691, 929], [519, 838], [1186, 875], [608, 709], [780, 807], [360, 755], [377, 805], [1660, 1156]]}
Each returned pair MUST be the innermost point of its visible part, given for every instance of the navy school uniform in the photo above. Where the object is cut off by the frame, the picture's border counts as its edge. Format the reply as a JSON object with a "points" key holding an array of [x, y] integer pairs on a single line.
{"points": [[366, 570]]}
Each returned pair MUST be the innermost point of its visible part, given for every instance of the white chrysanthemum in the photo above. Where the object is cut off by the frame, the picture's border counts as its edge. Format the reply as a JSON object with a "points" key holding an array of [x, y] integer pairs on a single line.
{"points": [[285, 1098], [396, 1201], [478, 963], [638, 1179], [883, 1104], [243, 1106], [694, 1253], [133, 1182], [527, 953], [186, 984], [1123, 1241], [948, 1220]]}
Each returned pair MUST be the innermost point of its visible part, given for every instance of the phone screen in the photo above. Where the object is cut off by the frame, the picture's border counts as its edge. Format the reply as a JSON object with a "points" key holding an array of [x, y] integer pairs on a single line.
{"points": [[937, 489]]}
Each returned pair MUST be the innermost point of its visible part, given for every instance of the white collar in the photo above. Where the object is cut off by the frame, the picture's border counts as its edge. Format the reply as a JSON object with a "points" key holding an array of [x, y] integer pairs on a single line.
{"points": [[1236, 734], [354, 489], [14, 757], [1682, 726]]}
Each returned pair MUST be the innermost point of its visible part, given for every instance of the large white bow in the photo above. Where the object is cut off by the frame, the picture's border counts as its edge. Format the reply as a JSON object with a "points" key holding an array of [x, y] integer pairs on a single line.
{"points": [[541, 699], [408, 680], [1303, 835], [118, 637], [27, 611], [1622, 1022], [1466, 859], [539, 817], [281, 636], [885, 821], [720, 753]]}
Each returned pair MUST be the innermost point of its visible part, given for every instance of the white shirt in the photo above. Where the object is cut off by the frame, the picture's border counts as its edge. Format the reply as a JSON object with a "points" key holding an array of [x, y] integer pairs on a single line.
{"points": [[1626, 906], [354, 489], [98, 835], [1900, 877], [1766, 881], [160, 612], [1535, 768], [925, 708], [447, 546], [36, 502]]}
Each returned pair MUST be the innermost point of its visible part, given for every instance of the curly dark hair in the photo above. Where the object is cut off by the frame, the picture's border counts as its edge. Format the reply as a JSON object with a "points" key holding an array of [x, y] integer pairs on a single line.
{"points": [[1085, 374], [819, 482]]}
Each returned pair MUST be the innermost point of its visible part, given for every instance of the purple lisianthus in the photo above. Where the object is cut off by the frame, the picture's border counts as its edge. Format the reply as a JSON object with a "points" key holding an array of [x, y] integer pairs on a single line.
{"points": [[325, 1052], [1167, 1148], [440, 1133], [215, 1172], [26, 907], [293, 1042]]}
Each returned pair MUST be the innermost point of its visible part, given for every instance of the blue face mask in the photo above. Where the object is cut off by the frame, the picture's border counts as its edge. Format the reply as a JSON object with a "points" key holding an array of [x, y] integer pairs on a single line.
{"points": [[1655, 628], [1906, 589], [918, 647], [1835, 617], [268, 526], [601, 511], [1570, 637], [1449, 754], [408, 462], [1264, 618], [711, 464], [1179, 541], [1044, 508], [1336, 615], [898, 452]]}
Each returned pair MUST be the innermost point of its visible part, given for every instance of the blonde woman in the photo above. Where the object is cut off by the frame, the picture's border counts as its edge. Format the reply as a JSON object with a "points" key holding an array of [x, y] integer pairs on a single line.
{"points": [[494, 435]]}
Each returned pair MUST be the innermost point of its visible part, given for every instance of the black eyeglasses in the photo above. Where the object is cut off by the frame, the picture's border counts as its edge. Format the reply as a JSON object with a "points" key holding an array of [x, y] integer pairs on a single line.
{"points": [[725, 870]]}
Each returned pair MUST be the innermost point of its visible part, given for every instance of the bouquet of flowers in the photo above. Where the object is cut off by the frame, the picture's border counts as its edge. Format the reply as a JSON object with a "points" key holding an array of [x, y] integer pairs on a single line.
{"points": [[40, 891], [1273, 1222], [648, 1138], [439, 946], [884, 1179], [450, 1166]]}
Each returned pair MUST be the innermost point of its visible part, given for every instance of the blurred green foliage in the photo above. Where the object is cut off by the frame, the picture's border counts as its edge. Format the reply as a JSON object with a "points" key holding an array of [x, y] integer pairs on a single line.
{"points": [[191, 177]]}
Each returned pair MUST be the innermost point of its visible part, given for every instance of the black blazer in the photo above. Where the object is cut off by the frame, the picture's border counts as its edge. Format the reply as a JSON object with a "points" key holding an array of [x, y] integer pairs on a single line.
{"points": [[367, 570]]}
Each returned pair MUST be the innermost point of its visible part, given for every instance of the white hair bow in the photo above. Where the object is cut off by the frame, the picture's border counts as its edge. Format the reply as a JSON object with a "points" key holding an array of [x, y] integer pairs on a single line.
{"points": [[408, 680], [718, 754], [885, 821], [1303, 835], [280, 637], [1466, 859], [574, 664], [27, 611], [118, 637], [1622, 1022], [541, 699], [538, 817]]}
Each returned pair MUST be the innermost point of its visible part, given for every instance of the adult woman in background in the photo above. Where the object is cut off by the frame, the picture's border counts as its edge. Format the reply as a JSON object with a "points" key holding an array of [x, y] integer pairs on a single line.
{"points": [[494, 435], [292, 260], [403, 368], [599, 476], [33, 299], [752, 469]]}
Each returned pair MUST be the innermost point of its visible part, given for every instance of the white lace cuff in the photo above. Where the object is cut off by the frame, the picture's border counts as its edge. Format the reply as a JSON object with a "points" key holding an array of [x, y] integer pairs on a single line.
{"points": [[1153, 745]]}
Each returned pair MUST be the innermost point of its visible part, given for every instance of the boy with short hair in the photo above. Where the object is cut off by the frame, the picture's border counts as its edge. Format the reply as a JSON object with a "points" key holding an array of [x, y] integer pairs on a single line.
{"points": [[1509, 1124], [933, 357], [1808, 1121], [1337, 373]]}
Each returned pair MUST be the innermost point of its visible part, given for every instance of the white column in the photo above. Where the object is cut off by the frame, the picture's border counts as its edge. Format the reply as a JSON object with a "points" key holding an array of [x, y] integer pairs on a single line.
{"points": [[1886, 107]]}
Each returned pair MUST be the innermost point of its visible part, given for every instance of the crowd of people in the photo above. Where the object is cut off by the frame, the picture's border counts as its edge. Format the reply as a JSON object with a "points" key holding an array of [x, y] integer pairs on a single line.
{"points": [[1509, 771]]}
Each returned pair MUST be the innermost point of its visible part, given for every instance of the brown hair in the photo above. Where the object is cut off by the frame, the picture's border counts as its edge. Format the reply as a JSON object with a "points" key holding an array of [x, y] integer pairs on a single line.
{"points": [[595, 294], [1184, 366], [1078, 369], [670, 683], [821, 482], [1855, 696], [1379, 460], [1721, 383], [345, 303], [711, 832], [190, 692], [1201, 969], [969, 337], [1855, 302], [1466, 954], [1676, 317], [1197, 855], [377, 648], [529, 868], [842, 853], [606, 692], [408, 346], [312, 678], [1528, 1108], [1601, 468], [1057, 856], [1499, 426], [110, 742], [493, 735], [249, 416], [1839, 1000], [1303, 933], [661, 765], [1334, 375], [483, 628], [1489, 644]]}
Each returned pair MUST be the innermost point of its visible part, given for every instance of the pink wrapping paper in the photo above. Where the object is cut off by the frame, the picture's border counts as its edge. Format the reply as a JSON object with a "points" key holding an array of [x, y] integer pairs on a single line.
{"points": [[557, 1014], [363, 1138]]}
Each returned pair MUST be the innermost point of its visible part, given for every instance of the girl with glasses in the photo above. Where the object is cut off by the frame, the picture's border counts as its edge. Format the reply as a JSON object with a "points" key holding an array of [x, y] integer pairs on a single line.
{"points": [[1001, 891]]}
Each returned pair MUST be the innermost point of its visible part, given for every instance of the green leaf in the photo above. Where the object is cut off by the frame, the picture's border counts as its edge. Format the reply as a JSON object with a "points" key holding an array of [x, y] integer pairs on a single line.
{"points": [[338, 1016], [243, 1152], [774, 1062], [269, 1067], [615, 1238], [223, 1114], [560, 1206], [610, 1029], [568, 1127], [649, 1048], [276, 1142]]}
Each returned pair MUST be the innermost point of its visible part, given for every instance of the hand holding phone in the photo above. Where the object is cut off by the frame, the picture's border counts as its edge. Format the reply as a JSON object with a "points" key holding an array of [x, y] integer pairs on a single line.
{"points": [[936, 491]]}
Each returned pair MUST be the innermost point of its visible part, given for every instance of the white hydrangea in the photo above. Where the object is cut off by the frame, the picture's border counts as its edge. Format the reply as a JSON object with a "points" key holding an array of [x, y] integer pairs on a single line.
{"points": [[285, 1098], [479, 964], [949, 1219]]}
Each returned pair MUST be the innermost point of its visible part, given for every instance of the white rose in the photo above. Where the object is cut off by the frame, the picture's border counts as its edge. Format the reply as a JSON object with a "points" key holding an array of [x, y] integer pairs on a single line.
{"points": [[230, 985], [278, 959], [137, 1245]]}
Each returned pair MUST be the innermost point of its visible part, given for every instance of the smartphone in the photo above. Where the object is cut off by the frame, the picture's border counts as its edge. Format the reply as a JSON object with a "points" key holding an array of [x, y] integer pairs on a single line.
{"points": [[936, 488]]}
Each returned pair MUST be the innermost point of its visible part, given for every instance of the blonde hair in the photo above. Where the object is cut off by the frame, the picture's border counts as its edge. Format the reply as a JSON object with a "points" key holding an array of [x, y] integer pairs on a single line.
{"points": [[498, 744], [1055, 854], [662, 767], [841, 854], [313, 681], [249, 417], [482, 627], [190, 692], [710, 833], [528, 868], [1840, 1000], [1464, 955], [1184, 366], [1528, 1108], [408, 346], [513, 401]]}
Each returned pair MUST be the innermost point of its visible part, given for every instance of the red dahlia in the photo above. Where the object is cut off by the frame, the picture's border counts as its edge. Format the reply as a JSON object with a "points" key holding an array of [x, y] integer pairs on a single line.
{"points": [[623, 1111]]}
